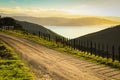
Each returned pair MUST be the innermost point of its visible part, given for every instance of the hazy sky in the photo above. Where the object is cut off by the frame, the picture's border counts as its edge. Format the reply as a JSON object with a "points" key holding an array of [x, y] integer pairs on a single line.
{"points": [[58, 8]]}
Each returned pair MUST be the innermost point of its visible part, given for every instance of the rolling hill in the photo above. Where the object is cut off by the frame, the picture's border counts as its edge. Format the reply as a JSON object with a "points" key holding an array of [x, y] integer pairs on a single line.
{"points": [[30, 27], [8, 21], [109, 36], [59, 21], [35, 28]]}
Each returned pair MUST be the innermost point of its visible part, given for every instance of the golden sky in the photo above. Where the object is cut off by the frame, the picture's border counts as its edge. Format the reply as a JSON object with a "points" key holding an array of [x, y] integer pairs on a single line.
{"points": [[60, 8]]}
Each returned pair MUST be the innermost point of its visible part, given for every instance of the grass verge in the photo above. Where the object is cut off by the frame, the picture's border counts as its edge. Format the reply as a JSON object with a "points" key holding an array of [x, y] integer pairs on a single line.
{"points": [[11, 67]]}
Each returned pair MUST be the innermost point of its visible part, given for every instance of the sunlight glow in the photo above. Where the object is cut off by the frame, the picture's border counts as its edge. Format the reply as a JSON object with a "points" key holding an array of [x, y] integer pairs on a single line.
{"points": [[73, 11]]}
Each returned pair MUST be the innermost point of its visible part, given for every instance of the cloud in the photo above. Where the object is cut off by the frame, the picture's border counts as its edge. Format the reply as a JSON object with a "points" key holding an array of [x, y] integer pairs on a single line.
{"points": [[103, 8], [52, 8], [13, 1], [36, 12]]}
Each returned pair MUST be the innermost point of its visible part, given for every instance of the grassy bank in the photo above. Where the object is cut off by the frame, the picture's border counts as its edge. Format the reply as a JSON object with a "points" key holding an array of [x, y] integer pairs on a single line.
{"points": [[66, 49], [11, 67]]}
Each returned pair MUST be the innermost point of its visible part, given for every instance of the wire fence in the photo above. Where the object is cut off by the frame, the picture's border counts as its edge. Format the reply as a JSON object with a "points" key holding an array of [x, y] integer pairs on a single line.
{"points": [[89, 46]]}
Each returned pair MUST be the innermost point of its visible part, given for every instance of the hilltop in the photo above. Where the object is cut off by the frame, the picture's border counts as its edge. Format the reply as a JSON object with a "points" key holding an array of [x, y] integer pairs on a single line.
{"points": [[8, 21]]}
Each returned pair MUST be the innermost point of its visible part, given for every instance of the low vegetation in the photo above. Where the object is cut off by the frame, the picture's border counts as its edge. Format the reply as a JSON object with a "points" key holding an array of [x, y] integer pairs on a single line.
{"points": [[65, 49], [11, 67]]}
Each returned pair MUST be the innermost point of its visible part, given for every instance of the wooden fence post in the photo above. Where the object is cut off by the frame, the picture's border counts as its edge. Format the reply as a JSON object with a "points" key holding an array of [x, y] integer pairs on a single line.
{"points": [[103, 54], [43, 35], [107, 52], [84, 47], [49, 37], [27, 32], [74, 43], [68, 41], [56, 39], [39, 33], [65, 41], [98, 51], [91, 47], [81, 45], [78, 44], [119, 53], [113, 53], [87, 46], [95, 48]]}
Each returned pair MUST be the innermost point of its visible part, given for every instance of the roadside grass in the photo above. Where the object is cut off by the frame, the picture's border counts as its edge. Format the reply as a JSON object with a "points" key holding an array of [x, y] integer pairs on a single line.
{"points": [[66, 49], [11, 67]]}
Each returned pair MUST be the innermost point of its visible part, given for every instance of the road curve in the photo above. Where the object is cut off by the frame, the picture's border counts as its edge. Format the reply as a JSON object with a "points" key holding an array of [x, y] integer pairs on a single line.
{"points": [[54, 63]]}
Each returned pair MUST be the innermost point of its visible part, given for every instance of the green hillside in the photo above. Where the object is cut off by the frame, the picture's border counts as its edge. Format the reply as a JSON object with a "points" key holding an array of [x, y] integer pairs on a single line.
{"points": [[27, 26], [105, 43], [11, 67], [35, 28]]}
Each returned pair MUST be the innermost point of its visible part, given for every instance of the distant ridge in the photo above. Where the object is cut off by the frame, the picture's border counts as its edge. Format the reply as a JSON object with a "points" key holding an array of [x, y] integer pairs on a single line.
{"points": [[59, 21]]}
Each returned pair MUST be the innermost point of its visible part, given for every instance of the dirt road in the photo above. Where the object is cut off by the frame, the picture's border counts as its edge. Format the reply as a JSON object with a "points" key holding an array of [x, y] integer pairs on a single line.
{"points": [[56, 65]]}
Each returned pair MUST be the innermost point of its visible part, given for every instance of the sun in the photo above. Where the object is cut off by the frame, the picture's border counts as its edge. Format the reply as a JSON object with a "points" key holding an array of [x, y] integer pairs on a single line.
{"points": [[73, 11]]}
